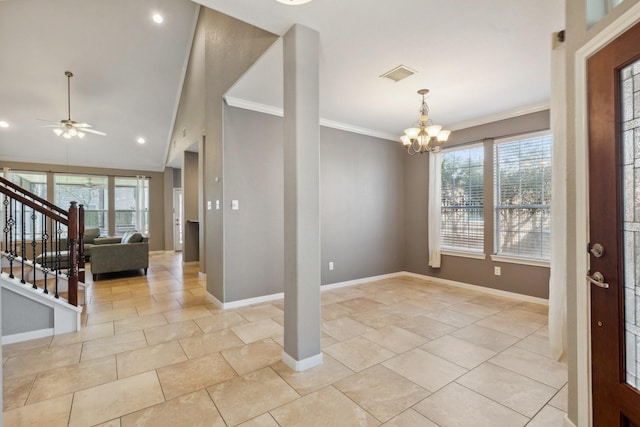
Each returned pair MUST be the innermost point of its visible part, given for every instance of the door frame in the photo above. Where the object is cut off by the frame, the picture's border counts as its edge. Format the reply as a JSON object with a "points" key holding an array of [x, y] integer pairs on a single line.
{"points": [[175, 193], [583, 296]]}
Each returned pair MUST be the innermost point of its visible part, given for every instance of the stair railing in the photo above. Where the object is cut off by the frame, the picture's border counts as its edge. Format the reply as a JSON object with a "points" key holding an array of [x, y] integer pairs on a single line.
{"points": [[30, 220]]}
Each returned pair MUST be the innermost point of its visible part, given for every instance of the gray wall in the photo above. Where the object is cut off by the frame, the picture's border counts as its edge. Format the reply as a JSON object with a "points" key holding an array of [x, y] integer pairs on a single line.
{"points": [[362, 201], [23, 315], [362, 206], [191, 240], [523, 279]]}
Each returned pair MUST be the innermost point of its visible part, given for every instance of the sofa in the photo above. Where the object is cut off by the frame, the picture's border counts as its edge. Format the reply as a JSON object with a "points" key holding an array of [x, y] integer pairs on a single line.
{"points": [[115, 254], [49, 258]]}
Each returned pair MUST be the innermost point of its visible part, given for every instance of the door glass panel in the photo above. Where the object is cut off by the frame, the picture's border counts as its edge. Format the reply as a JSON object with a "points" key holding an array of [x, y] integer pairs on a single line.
{"points": [[630, 98]]}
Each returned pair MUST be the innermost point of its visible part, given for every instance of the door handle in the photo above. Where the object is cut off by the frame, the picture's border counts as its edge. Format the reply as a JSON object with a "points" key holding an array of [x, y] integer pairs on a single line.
{"points": [[598, 279]]}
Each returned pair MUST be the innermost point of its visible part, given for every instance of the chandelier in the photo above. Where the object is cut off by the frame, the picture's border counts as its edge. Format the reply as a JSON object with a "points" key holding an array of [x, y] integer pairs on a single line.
{"points": [[427, 137]]}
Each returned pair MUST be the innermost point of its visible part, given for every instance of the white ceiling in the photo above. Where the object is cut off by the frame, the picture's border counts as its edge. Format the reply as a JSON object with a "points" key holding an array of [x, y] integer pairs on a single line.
{"points": [[483, 60]]}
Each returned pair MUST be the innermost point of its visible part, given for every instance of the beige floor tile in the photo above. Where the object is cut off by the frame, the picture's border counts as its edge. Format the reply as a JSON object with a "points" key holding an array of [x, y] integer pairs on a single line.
{"points": [[515, 327], [68, 379], [523, 314], [344, 328], [456, 405], [87, 333], [112, 345], [250, 357], [313, 379], [260, 312], [513, 390], [459, 351], [348, 292], [132, 302], [377, 319], [409, 418], [426, 327], [533, 365], [159, 307], [96, 308], [258, 330], [536, 343], [381, 392], [16, 390], [221, 320], [193, 374], [476, 310], [451, 317], [111, 423], [387, 297], [192, 410], [326, 407], [174, 331], [25, 347], [112, 400], [139, 323], [425, 369], [496, 302], [52, 413], [534, 308], [213, 342], [263, 388], [149, 358], [110, 316], [169, 296], [186, 314], [358, 353], [264, 420], [560, 400], [428, 304], [361, 304], [334, 311], [548, 417], [396, 339], [32, 362], [485, 337]]}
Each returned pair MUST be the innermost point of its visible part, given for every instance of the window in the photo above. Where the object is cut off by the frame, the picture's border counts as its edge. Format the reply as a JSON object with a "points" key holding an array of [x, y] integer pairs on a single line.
{"points": [[132, 204], [35, 183], [463, 199], [90, 191], [522, 183]]}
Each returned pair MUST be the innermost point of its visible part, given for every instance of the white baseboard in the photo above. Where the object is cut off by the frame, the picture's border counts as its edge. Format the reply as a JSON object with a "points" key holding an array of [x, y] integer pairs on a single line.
{"points": [[31, 335], [202, 275], [478, 288], [358, 281], [301, 365], [244, 302]]}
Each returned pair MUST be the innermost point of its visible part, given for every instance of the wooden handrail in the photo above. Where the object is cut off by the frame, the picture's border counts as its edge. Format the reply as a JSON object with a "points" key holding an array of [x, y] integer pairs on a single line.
{"points": [[39, 199]]}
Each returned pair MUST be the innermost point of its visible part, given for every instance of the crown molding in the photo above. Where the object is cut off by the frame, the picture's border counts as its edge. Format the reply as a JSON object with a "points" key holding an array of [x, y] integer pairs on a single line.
{"points": [[510, 114]]}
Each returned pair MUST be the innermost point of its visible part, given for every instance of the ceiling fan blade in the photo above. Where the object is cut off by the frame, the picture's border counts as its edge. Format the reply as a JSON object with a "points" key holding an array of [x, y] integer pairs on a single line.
{"points": [[97, 132], [51, 126], [82, 125], [50, 121]]}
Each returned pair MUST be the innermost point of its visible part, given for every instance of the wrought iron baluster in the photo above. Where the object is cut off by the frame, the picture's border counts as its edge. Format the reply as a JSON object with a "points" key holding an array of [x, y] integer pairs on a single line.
{"points": [[11, 224], [58, 231], [45, 260], [23, 243], [5, 203]]}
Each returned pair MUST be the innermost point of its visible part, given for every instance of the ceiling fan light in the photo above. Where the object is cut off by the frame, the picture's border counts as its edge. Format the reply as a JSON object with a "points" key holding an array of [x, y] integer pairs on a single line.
{"points": [[80, 134], [73, 132], [66, 135], [57, 131]]}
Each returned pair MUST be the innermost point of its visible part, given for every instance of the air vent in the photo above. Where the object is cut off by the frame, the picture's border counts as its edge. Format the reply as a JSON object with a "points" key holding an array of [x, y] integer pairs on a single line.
{"points": [[399, 73]]}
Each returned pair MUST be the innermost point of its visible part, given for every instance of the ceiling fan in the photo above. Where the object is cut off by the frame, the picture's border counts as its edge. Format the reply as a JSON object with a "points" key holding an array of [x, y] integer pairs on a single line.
{"points": [[69, 128]]}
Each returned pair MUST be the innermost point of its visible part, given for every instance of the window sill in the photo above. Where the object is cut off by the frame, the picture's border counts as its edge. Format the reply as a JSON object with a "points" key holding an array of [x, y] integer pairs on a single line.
{"points": [[517, 260], [463, 254]]}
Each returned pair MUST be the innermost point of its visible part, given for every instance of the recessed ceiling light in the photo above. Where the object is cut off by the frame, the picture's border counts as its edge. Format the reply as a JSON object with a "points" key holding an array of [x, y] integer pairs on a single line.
{"points": [[4, 125], [157, 18], [293, 2], [141, 140]]}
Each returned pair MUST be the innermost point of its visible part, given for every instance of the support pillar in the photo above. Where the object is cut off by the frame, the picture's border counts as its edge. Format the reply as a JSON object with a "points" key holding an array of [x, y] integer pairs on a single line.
{"points": [[301, 199]]}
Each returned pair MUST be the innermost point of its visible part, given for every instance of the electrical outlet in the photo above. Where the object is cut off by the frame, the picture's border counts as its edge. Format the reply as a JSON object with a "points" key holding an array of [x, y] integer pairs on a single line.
{"points": [[330, 265], [497, 271]]}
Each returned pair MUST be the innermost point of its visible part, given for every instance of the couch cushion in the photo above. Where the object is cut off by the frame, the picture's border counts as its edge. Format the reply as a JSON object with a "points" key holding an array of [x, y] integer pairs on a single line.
{"points": [[90, 234], [135, 237], [126, 236]]}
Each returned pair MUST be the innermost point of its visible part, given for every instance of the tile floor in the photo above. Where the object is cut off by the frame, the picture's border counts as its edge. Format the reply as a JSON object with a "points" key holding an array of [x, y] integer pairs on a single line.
{"points": [[397, 352]]}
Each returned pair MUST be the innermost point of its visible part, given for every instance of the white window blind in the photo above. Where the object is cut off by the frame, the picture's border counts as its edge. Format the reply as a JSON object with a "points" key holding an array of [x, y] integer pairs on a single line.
{"points": [[522, 184], [463, 199]]}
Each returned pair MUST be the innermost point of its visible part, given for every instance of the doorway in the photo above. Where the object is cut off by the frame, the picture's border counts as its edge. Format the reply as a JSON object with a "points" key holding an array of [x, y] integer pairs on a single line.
{"points": [[178, 219], [613, 83]]}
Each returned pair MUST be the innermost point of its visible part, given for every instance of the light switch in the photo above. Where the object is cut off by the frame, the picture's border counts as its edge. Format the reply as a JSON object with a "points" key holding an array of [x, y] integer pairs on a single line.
{"points": [[209, 205], [217, 205], [235, 205]]}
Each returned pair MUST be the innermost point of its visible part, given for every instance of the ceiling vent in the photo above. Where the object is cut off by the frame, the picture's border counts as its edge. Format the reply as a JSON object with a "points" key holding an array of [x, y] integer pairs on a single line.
{"points": [[399, 73]]}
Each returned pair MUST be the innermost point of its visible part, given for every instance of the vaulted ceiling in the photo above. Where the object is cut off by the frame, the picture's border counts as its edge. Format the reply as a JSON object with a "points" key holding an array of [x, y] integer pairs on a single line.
{"points": [[482, 60]]}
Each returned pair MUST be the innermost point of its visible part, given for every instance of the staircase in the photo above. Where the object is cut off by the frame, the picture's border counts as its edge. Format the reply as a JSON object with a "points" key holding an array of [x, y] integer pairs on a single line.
{"points": [[42, 263]]}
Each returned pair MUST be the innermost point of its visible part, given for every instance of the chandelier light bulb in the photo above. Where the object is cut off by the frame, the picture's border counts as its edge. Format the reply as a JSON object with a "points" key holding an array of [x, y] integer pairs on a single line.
{"points": [[433, 131]]}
